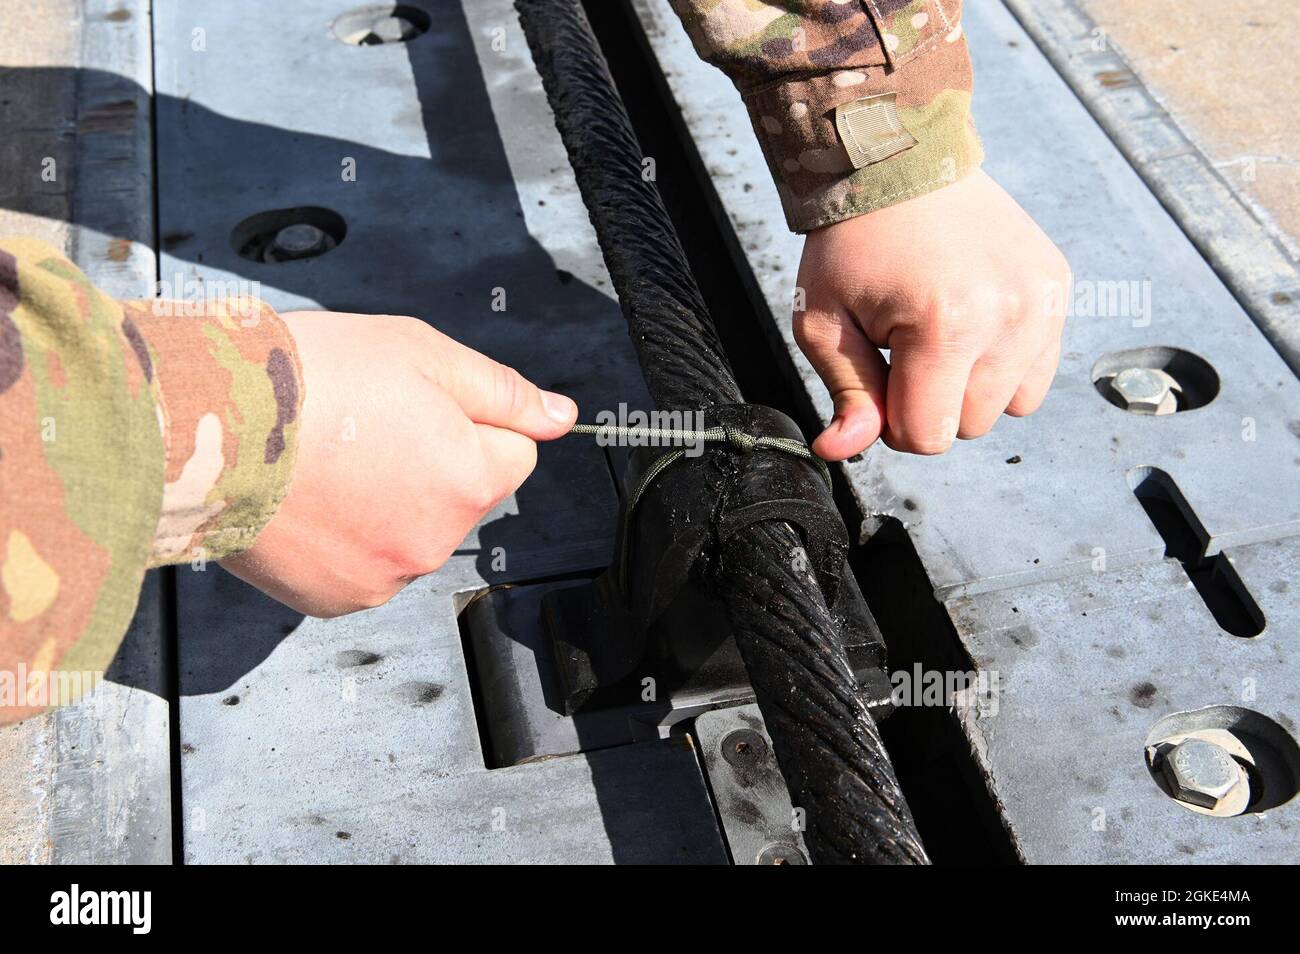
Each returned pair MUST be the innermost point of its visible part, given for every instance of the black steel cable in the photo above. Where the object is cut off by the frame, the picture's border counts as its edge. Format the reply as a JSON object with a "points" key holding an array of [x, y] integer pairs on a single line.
{"points": [[825, 740], [680, 354]]}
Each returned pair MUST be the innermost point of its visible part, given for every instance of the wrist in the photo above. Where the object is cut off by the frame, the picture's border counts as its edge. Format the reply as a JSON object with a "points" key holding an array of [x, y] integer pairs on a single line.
{"points": [[849, 142]]}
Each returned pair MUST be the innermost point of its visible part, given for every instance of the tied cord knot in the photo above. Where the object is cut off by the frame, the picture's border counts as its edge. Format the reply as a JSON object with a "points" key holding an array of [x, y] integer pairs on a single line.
{"points": [[738, 439], [733, 437]]}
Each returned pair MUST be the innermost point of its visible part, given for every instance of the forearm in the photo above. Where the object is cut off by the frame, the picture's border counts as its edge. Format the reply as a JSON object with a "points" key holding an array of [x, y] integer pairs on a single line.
{"points": [[130, 435], [857, 105]]}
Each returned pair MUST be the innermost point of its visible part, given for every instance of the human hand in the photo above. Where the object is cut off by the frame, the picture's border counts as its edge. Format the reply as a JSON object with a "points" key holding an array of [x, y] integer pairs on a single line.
{"points": [[966, 292], [407, 440]]}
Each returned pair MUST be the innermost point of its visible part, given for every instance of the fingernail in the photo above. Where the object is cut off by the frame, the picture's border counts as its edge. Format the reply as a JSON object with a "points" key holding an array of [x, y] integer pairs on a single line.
{"points": [[559, 408]]}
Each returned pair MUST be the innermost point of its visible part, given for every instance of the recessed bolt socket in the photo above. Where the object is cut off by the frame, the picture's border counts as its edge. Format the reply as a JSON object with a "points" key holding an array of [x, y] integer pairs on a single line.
{"points": [[1223, 761], [743, 748], [288, 235], [1155, 380], [378, 25]]}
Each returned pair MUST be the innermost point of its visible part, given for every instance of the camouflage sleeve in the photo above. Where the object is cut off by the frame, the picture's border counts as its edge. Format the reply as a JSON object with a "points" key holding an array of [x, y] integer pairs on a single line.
{"points": [[131, 434], [858, 104]]}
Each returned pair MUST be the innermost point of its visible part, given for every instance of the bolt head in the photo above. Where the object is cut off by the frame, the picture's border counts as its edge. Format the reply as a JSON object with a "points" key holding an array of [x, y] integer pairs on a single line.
{"points": [[1200, 772], [391, 29], [299, 241], [1146, 391], [781, 853], [743, 748]]}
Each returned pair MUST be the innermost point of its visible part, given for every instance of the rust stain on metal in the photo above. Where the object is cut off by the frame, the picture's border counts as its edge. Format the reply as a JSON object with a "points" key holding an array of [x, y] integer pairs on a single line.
{"points": [[117, 116], [1116, 79]]}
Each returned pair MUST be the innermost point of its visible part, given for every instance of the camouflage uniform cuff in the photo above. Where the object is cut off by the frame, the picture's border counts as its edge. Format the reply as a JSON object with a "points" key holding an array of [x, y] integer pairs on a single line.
{"points": [[80, 472], [919, 138], [230, 395]]}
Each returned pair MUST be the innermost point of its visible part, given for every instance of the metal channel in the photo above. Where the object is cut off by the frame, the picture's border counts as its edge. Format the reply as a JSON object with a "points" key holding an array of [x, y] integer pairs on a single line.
{"points": [[827, 742]]}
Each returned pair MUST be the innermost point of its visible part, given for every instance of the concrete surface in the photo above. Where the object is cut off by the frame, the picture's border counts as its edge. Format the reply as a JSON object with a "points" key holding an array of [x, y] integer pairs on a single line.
{"points": [[1235, 233], [1228, 71]]}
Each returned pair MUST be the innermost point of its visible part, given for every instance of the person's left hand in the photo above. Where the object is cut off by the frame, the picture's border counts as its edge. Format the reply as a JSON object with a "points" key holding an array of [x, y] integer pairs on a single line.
{"points": [[965, 291]]}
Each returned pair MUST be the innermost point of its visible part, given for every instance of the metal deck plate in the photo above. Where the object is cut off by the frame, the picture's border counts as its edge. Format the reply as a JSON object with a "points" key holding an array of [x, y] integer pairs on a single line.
{"points": [[979, 522], [1108, 655], [993, 534], [294, 730], [90, 782]]}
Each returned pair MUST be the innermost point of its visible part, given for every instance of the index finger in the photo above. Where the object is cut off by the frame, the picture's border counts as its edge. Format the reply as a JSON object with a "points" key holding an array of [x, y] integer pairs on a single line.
{"points": [[496, 394]]}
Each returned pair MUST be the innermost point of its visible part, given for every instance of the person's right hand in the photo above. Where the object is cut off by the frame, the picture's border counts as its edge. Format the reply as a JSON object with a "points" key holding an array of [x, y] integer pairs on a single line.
{"points": [[965, 290], [407, 440]]}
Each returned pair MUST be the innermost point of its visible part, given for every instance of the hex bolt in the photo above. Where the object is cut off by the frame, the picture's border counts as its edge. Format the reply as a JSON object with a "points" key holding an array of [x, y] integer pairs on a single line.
{"points": [[391, 29], [1146, 391], [298, 241], [1200, 772]]}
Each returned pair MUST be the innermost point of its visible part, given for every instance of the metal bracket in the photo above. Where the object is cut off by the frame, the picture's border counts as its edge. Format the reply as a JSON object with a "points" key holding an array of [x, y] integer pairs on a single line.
{"points": [[660, 630]]}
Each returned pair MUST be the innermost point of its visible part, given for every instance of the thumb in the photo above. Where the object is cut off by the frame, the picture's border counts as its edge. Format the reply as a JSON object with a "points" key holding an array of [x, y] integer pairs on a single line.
{"points": [[854, 372], [495, 394]]}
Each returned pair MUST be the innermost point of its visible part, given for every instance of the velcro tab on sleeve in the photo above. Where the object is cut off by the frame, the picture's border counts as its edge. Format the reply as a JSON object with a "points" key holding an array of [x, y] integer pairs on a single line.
{"points": [[871, 130]]}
